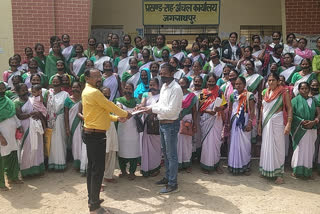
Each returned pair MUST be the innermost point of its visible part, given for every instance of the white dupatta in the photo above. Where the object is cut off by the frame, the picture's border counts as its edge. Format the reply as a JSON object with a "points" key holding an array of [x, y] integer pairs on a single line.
{"points": [[77, 64], [123, 66], [288, 72], [16, 73], [99, 63], [146, 65], [134, 79], [66, 52], [218, 69], [111, 83], [251, 79], [257, 53], [130, 52], [179, 55], [296, 84]]}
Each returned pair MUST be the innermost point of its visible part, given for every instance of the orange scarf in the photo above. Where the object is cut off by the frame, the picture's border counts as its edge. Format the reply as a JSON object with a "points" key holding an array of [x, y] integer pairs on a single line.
{"points": [[280, 90], [242, 101], [277, 92], [207, 97]]}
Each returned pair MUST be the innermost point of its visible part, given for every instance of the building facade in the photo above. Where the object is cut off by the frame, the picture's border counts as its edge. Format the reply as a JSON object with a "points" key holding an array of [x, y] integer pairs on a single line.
{"points": [[25, 23]]}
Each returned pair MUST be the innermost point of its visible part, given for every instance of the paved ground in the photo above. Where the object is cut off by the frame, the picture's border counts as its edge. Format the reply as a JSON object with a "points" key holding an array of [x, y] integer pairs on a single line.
{"points": [[199, 193]]}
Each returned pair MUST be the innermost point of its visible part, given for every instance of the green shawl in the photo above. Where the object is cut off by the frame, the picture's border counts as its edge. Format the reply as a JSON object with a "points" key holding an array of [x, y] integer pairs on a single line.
{"points": [[51, 67], [301, 112], [206, 53], [188, 110], [317, 51], [280, 70], [41, 65], [126, 76], [128, 103], [88, 53], [7, 108], [11, 95], [254, 85], [112, 51], [158, 52]]}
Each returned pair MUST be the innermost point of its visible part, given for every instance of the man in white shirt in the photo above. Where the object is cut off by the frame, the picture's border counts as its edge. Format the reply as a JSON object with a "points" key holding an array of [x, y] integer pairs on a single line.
{"points": [[168, 109]]}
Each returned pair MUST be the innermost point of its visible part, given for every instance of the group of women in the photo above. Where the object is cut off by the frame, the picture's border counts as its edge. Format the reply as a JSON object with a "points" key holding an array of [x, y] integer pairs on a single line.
{"points": [[232, 94]]}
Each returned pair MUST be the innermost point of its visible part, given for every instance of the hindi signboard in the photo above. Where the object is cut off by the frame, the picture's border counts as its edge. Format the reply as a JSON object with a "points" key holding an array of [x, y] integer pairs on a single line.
{"points": [[184, 12]]}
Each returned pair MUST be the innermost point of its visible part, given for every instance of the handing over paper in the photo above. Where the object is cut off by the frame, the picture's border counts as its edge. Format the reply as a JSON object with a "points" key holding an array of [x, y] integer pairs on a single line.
{"points": [[139, 111]]}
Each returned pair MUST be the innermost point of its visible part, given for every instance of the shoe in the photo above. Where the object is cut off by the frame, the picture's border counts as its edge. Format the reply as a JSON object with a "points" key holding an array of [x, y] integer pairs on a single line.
{"points": [[100, 202], [162, 182], [169, 189], [101, 211]]}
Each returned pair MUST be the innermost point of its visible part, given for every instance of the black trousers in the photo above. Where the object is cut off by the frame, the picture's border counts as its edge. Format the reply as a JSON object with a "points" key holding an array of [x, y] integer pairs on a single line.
{"points": [[96, 152]]}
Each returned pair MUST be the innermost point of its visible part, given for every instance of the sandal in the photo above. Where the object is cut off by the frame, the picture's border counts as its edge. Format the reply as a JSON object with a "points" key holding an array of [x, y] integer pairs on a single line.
{"points": [[100, 202], [100, 211], [219, 170], [155, 173], [131, 177], [205, 172], [279, 181], [4, 188], [112, 180], [247, 172], [294, 176], [122, 175], [16, 182], [189, 170]]}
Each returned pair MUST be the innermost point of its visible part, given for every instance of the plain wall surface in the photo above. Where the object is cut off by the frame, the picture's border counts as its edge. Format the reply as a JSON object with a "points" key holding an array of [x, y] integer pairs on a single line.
{"points": [[6, 35]]}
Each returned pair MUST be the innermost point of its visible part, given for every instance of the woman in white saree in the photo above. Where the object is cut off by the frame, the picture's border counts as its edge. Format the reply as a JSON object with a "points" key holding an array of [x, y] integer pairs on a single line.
{"points": [[77, 63], [73, 124], [242, 118], [305, 75], [121, 63], [273, 125], [131, 76], [55, 99], [99, 58], [306, 117]]}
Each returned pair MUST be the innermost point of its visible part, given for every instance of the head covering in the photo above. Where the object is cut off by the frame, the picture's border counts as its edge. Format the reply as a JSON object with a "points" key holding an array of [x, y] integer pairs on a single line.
{"points": [[141, 87], [7, 107]]}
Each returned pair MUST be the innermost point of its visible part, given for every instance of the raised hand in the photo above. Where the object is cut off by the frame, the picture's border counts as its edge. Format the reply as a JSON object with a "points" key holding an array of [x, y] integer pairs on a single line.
{"points": [[122, 119]]}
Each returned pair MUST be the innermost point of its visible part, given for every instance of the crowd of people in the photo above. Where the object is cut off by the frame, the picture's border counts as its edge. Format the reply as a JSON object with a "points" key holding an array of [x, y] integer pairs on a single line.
{"points": [[237, 95]]}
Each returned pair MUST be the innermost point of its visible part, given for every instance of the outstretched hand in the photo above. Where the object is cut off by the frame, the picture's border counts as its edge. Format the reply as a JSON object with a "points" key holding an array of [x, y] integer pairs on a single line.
{"points": [[129, 115], [122, 119], [146, 110]]}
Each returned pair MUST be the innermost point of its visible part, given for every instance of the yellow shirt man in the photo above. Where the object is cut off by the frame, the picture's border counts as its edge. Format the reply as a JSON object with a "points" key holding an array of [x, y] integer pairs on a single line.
{"points": [[97, 109]]}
